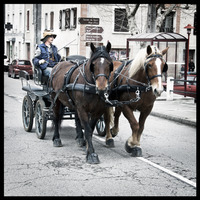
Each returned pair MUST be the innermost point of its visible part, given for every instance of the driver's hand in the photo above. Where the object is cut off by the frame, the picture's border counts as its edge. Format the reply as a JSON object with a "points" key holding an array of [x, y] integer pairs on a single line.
{"points": [[42, 61]]}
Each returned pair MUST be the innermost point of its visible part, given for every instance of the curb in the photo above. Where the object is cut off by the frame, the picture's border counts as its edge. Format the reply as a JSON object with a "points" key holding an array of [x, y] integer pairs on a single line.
{"points": [[175, 119]]}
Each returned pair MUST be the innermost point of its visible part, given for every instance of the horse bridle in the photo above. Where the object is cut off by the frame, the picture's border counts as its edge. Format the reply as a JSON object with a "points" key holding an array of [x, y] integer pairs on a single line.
{"points": [[146, 65], [101, 53]]}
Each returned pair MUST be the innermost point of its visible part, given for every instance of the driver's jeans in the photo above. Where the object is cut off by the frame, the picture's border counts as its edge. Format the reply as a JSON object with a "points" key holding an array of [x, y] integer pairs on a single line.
{"points": [[47, 71]]}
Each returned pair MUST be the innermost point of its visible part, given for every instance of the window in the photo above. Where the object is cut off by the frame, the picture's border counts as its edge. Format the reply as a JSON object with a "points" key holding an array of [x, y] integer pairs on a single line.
{"points": [[120, 20], [24, 62], [51, 20], [28, 18], [167, 26], [68, 18], [118, 54], [46, 21]]}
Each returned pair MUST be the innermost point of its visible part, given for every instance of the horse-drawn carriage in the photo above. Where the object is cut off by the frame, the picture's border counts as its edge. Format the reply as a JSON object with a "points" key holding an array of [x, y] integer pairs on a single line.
{"points": [[84, 90], [37, 103]]}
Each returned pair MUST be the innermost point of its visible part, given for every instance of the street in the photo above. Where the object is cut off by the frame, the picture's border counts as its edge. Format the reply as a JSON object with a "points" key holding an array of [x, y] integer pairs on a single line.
{"points": [[33, 167]]}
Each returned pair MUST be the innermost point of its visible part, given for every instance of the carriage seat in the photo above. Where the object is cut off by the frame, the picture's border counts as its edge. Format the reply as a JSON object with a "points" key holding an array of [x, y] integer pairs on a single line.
{"points": [[75, 58], [39, 78]]}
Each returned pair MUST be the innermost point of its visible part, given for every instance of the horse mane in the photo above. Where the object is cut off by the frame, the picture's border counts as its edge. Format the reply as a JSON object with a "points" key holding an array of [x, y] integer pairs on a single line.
{"points": [[140, 59]]}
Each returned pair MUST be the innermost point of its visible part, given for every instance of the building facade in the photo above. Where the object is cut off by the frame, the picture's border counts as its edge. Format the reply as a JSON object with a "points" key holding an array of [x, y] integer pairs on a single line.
{"points": [[76, 25]]}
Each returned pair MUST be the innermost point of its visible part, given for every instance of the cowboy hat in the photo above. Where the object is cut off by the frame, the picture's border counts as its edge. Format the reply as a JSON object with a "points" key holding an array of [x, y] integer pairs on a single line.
{"points": [[48, 33]]}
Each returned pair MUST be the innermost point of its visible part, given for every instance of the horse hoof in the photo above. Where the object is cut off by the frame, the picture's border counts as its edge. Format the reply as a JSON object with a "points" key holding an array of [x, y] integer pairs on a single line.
{"points": [[81, 142], [111, 131], [128, 148], [57, 143], [92, 158], [110, 143], [135, 151]]}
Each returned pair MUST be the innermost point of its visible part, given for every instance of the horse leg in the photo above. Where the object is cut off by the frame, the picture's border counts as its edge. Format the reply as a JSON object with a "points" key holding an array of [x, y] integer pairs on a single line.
{"points": [[79, 131], [58, 113], [114, 130], [132, 144], [143, 115], [91, 156], [107, 118]]}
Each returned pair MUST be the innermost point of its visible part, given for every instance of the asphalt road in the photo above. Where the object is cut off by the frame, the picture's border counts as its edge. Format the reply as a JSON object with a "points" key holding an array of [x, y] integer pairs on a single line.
{"points": [[33, 167]]}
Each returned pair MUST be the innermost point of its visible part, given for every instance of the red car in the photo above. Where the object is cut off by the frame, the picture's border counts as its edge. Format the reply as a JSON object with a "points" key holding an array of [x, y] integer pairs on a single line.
{"points": [[17, 65], [190, 87]]}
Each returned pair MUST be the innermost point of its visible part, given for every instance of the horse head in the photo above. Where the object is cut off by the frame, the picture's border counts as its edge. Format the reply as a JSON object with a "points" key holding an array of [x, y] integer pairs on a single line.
{"points": [[155, 65], [101, 66]]}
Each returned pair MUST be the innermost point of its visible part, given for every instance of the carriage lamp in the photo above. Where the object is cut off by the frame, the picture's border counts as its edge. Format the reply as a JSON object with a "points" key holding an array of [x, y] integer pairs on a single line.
{"points": [[188, 27]]}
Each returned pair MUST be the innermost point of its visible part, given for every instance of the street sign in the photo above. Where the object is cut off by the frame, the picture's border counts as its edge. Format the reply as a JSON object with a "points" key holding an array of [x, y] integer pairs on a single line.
{"points": [[8, 26], [94, 38], [85, 20], [93, 29], [96, 44]]}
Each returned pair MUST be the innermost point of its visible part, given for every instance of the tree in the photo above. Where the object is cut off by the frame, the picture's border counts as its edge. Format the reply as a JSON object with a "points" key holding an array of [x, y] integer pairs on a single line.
{"points": [[155, 17]]}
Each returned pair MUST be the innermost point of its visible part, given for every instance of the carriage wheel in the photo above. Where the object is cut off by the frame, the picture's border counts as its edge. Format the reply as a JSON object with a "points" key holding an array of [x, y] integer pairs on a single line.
{"points": [[40, 119], [27, 113], [100, 127]]}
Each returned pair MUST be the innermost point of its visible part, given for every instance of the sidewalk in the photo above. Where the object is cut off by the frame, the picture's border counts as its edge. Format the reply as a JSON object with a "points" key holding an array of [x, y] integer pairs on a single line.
{"points": [[181, 109]]}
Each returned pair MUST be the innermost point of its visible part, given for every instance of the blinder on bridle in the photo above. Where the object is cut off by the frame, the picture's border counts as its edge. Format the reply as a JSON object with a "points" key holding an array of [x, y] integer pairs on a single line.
{"points": [[146, 66], [100, 52]]}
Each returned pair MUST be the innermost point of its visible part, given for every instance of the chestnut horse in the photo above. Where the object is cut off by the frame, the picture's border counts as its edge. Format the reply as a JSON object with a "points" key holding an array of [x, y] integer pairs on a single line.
{"points": [[82, 89], [136, 87]]}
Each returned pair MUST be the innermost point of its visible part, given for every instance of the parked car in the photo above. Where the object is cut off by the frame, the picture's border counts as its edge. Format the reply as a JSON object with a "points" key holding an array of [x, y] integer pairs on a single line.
{"points": [[17, 65], [190, 86]]}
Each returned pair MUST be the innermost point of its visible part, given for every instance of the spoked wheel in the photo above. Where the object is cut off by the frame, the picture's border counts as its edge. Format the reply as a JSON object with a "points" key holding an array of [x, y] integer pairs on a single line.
{"points": [[40, 119], [100, 127], [27, 113]]}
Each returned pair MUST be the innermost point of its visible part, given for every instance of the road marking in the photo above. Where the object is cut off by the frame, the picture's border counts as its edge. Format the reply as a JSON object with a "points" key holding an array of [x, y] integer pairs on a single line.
{"points": [[178, 176], [169, 172]]}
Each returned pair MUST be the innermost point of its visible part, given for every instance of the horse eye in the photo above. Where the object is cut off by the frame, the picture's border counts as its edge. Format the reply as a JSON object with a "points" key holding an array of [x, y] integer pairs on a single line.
{"points": [[149, 66]]}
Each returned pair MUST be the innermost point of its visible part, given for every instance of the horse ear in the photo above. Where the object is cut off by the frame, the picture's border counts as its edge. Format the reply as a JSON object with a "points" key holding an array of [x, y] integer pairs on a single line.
{"points": [[149, 50], [93, 48], [165, 51], [108, 47], [165, 68]]}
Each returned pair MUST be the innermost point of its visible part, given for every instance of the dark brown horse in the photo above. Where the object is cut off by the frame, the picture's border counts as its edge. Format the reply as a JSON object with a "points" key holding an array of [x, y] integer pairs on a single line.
{"points": [[82, 88], [136, 88]]}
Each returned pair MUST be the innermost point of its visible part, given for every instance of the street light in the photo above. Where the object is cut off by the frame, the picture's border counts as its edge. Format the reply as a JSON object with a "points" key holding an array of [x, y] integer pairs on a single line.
{"points": [[188, 27]]}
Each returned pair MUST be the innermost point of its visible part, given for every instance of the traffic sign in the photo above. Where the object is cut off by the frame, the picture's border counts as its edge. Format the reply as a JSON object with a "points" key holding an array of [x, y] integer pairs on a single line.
{"points": [[93, 29], [86, 20], [95, 43], [94, 37]]}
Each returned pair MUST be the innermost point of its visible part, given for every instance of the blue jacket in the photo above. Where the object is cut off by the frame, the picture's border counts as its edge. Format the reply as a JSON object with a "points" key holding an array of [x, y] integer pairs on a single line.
{"points": [[46, 56]]}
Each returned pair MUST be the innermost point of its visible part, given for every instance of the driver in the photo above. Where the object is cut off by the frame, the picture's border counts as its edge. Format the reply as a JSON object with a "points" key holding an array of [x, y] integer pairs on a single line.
{"points": [[46, 55]]}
